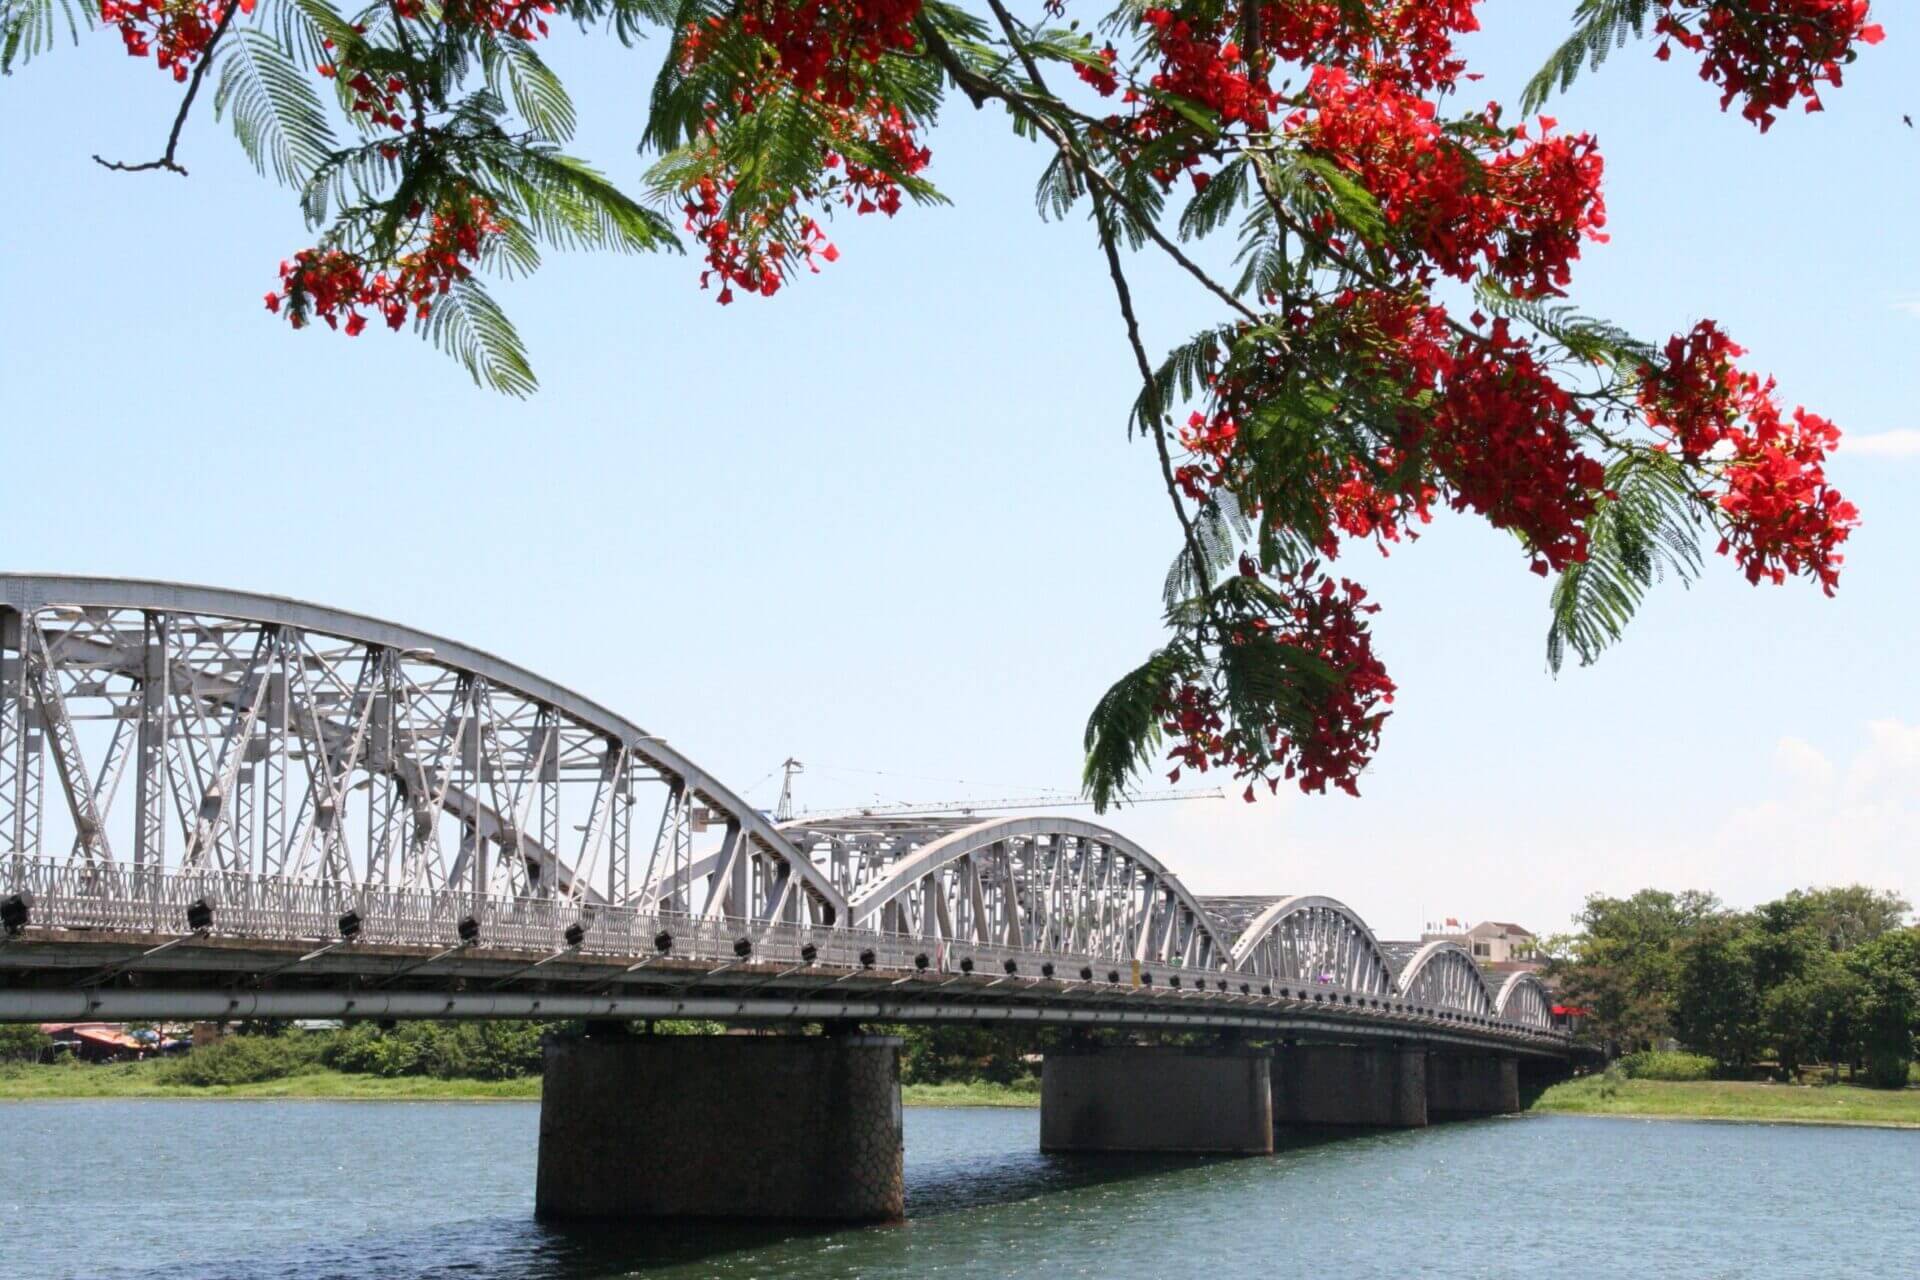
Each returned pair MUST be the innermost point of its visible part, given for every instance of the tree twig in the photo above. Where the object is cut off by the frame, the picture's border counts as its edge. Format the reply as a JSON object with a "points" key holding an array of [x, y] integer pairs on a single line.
{"points": [[166, 160]]}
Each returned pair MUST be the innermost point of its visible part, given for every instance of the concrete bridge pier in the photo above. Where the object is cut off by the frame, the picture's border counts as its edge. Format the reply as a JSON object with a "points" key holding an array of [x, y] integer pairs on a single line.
{"points": [[1157, 1098], [798, 1127], [1367, 1086], [1472, 1085]]}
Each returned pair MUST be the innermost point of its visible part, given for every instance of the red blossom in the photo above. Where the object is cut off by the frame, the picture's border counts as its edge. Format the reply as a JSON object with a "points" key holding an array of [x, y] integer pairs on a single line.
{"points": [[1768, 52], [335, 286], [1341, 731]]}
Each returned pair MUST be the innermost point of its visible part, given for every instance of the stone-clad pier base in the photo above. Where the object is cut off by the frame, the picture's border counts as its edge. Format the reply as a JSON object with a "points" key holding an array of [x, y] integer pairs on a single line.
{"points": [[1370, 1086], [802, 1127], [1153, 1098]]}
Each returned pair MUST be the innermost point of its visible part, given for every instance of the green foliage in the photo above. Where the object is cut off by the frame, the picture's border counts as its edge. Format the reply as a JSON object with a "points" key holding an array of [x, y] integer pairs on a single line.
{"points": [[29, 27], [1622, 964], [23, 1042], [444, 1050], [1124, 729], [1652, 1064], [1889, 1004], [277, 115], [1716, 998], [1600, 27], [245, 1059], [1649, 529]]}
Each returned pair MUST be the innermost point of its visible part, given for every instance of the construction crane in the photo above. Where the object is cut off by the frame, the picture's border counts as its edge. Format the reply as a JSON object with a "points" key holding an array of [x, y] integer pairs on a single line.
{"points": [[783, 812], [1045, 800]]}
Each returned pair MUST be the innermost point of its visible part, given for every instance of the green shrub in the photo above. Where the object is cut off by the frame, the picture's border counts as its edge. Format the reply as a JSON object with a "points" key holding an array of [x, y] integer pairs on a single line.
{"points": [[1651, 1064], [245, 1060], [23, 1043], [447, 1051]]}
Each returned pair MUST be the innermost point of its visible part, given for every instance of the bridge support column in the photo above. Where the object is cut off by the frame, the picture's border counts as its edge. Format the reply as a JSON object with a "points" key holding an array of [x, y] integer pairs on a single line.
{"points": [[804, 1127], [1383, 1087], [1149, 1098], [1472, 1085]]}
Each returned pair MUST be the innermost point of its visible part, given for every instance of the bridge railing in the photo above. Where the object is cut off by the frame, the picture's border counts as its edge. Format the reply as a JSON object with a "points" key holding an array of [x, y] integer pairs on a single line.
{"points": [[127, 899]]}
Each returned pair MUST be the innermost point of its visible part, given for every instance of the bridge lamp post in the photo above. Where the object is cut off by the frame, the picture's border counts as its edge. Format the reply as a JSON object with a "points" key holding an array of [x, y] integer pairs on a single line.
{"points": [[921, 962], [966, 964], [200, 915], [15, 912]]}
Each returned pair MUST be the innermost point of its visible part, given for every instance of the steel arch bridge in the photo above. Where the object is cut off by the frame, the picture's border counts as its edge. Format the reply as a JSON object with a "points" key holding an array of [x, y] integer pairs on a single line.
{"points": [[216, 803]]}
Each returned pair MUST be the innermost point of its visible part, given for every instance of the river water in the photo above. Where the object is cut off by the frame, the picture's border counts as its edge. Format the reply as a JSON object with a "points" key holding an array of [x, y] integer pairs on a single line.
{"points": [[232, 1190]]}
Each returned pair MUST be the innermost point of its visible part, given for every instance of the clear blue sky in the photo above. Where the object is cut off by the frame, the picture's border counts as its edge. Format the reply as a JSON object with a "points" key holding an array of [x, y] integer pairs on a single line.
{"points": [[890, 520]]}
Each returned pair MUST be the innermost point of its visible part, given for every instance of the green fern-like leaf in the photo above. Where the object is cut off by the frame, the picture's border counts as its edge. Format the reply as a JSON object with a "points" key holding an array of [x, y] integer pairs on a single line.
{"points": [[469, 326], [1600, 27], [1124, 728], [1650, 530], [29, 27], [277, 116]]}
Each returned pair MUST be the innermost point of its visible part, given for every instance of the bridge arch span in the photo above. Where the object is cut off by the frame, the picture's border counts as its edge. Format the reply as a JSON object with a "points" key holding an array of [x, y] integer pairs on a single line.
{"points": [[1040, 883], [1524, 999], [263, 736], [1309, 939], [1443, 976]]}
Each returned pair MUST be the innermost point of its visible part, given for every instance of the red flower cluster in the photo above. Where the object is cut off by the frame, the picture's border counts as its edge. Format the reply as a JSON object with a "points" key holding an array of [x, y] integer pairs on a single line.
{"points": [[1520, 213], [822, 45], [868, 189], [517, 18], [1501, 440], [758, 263], [1197, 64], [1410, 45], [333, 284], [1343, 731], [175, 32], [1781, 516], [1768, 52]]}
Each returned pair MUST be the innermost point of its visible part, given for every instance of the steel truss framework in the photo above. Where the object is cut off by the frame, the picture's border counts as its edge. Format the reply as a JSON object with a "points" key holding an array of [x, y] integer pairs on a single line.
{"points": [[289, 766], [1524, 999], [1443, 974]]}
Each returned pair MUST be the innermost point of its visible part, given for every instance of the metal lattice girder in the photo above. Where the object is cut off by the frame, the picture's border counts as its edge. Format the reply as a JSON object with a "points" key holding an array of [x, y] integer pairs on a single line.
{"points": [[1037, 883], [264, 724], [1525, 1000], [1309, 939], [1442, 975]]}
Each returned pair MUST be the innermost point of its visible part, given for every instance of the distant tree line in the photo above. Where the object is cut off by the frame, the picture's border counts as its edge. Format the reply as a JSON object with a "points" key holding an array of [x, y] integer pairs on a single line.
{"points": [[1821, 976]]}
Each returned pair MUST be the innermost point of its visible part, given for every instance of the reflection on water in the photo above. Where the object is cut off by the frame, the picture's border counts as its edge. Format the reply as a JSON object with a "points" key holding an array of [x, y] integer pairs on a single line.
{"points": [[419, 1191]]}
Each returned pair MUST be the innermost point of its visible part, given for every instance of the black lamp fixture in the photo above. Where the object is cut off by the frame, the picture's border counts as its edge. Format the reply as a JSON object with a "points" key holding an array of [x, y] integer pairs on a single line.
{"points": [[1266, 989], [809, 953], [1174, 981], [966, 964], [576, 934], [1086, 973], [743, 947], [469, 931], [663, 942], [921, 962], [1246, 989], [1046, 970], [16, 911], [350, 924], [200, 915], [1113, 975], [1010, 966], [867, 958]]}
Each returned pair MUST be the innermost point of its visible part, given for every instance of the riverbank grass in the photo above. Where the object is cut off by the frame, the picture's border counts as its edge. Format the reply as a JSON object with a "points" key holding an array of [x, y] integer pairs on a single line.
{"points": [[144, 1080], [1734, 1100]]}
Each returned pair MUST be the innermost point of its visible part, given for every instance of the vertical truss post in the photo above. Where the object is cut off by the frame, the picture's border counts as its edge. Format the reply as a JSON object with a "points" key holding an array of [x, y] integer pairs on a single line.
{"points": [[620, 838], [150, 781], [549, 783], [273, 758], [13, 742]]}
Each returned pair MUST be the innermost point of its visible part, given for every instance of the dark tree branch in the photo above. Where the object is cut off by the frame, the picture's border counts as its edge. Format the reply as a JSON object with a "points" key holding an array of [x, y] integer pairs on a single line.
{"points": [[166, 160]]}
